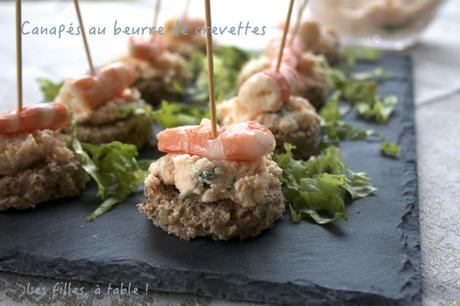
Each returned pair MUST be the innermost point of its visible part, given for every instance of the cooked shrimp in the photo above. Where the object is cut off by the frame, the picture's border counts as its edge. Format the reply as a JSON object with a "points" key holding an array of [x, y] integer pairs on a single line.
{"points": [[89, 92], [267, 91], [42, 116], [146, 49], [240, 142], [252, 67]]}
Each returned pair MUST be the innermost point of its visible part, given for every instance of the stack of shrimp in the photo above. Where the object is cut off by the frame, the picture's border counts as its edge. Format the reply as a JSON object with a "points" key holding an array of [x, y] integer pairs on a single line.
{"points": [[106, 109], [221, 187], [268, 97], [33, 152], [300, 54]]}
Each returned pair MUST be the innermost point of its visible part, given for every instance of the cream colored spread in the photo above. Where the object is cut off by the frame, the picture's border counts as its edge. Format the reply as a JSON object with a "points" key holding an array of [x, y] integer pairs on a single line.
{"points": [[297, 114], [19, 152], [244, 183]]}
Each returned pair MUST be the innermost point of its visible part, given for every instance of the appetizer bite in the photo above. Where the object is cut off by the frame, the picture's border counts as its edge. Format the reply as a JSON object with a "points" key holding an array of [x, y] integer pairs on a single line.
{"points": [[106, 109], [312, 83], [300, 54], [37, 163], [222, 187], [160, 74], [267, 99], [319, 40], [184, 36]]}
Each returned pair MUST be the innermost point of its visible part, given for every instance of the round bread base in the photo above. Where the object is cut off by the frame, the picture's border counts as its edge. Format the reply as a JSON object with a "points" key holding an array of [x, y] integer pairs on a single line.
{"points": [[42, 183], [136, 130], [221, 220], [154, 90], [305, 141], [316, 94]]}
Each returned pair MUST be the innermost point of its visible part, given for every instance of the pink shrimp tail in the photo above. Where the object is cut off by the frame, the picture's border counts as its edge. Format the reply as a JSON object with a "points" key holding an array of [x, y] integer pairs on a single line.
{"points": [[247, 141], [108, 83], [51, 116], [281, 82]]}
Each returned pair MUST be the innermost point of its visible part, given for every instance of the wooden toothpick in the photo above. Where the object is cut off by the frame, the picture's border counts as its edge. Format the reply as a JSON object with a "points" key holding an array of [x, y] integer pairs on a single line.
{"points": [[186, 9], [83, 34], [302, 8], [210, 54], [283, 41], [156, 14], [19, 55]]}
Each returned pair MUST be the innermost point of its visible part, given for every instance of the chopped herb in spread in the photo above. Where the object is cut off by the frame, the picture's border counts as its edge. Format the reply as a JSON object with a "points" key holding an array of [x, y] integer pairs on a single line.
{"points": [[207, 177]]}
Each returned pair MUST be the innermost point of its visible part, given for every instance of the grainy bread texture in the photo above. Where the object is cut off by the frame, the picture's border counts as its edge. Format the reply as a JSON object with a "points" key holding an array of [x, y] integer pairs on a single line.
{"points": [[117, 121], [160, 82], [135, 130], [36, 168], [221, 220], [188, 216]]}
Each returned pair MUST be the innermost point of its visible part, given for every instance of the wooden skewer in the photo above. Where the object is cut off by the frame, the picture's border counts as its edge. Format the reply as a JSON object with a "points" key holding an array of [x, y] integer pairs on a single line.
{"points": [[186, 9], [302, 8], [19, 55], [156, 14], [83, 34], [210, 54], [283, 41]]}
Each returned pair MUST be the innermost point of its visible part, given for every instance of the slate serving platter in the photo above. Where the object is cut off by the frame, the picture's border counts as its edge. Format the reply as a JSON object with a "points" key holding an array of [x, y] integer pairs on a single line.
{"points": [[373, 259]]}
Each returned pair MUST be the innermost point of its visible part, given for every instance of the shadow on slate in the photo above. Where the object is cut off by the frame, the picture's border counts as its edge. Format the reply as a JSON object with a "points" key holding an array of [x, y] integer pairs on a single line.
{"points": [[373, 259]]}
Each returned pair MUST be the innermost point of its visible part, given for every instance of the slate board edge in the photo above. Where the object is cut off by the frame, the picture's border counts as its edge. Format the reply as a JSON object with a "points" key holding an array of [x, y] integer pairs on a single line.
{"points": [[410, 226], [173, 281], [242, 288]]}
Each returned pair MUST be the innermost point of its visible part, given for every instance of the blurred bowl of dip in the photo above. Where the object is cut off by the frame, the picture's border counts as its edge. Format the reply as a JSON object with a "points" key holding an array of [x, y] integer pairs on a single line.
{"points": [[386, 24]]}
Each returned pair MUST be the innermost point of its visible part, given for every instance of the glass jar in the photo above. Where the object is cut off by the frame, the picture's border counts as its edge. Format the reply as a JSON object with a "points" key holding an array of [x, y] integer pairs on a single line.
{"points": [[386, 24]]}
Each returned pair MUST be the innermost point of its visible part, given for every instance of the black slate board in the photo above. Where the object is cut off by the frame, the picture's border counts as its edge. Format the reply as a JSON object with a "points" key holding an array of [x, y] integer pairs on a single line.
{"points": [[373, 259]]}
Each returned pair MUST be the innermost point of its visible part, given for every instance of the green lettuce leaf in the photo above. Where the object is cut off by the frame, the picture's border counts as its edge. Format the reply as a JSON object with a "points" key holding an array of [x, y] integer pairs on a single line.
{"points": [[115, 170], [318, 189], [358, 185], [195, 62], [335, 129], [171, 114], [378, 110], [135, 109], [390, 150], [359, 92], [377, 74], [49, 89], [228, 62], [354, 54]]}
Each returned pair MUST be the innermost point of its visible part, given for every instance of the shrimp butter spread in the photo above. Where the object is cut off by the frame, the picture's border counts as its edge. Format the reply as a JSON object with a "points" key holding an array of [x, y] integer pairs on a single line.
{"points": [[33, 152], [246, 184], [106, 109]]}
